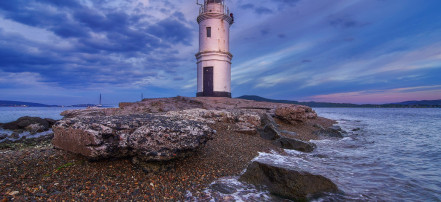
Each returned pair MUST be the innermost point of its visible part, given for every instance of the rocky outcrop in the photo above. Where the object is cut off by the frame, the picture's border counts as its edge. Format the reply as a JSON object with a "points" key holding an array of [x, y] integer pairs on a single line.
{"points": [[291, 143], [166, 128], [149, 137], [287, 183], [31, 124], [295, 113]]}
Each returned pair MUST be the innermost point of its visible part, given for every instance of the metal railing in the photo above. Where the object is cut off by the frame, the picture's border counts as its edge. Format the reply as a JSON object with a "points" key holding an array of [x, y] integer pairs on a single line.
{"points": [[203, 7]]}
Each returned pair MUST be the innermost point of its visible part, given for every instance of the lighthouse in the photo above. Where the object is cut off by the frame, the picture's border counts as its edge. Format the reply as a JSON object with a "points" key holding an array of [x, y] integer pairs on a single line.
{"points": [[214, 57]]}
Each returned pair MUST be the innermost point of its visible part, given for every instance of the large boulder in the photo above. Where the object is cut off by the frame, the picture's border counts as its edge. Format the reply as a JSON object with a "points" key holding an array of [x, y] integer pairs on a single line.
{"points": [[291, 143], [295, 113], [31, 124], [149, 137], [286, 183]]}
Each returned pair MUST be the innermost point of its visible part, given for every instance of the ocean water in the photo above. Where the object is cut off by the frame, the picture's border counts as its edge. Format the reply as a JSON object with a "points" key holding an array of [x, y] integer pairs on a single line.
{"points": [[387, 155], [8, 114]]}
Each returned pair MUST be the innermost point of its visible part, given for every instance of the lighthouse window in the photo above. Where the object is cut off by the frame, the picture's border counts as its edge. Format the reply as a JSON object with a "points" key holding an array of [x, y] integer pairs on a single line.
{"points": [[208, 31]]}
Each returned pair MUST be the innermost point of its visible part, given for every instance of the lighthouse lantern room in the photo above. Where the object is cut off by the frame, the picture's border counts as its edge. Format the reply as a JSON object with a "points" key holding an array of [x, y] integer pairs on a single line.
{"points": [[214, 57]]}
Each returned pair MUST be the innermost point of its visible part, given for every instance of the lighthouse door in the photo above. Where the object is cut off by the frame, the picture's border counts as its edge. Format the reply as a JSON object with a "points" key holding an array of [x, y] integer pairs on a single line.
{"points": [[208, 81]]}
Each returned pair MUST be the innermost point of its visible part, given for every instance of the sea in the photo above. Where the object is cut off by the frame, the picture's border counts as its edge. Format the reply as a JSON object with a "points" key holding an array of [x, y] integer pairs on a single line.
{"points": [[387, 154], [8, 114]]}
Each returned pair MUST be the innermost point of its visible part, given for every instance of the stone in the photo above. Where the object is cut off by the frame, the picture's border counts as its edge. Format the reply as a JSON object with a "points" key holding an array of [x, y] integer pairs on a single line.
{"points": [[329, 132], [269, 132], [295, 113], [35, 128], [294, 144], [267, 119], [29, 123], [318, 126], [149, 137], [286, 182]]}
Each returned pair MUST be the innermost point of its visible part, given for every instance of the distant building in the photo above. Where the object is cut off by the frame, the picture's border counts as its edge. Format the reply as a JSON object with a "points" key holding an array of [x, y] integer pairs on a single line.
{"points": [[214, 57]]}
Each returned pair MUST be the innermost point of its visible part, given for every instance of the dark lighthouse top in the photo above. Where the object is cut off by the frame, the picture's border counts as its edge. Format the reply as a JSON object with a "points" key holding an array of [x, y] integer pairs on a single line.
{"points": [[214, 1]]}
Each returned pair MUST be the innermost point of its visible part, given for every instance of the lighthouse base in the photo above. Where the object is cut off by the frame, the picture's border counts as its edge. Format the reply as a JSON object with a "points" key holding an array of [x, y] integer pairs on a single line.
{"points": [[213, 94]]}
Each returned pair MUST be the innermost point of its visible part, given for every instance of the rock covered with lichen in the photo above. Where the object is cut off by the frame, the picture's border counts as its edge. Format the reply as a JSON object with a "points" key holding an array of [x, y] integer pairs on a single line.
{"points": [[164, 129], [147, 136]]}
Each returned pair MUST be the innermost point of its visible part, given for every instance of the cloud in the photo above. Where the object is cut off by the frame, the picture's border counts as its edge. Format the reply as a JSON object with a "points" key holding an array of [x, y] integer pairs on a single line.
{"points": [[260, 10], [83, 46], [380, 96]]}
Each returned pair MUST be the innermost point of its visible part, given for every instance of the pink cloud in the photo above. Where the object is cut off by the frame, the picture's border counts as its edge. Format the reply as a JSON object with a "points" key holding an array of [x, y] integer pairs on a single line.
{"points": [[382, 96]]}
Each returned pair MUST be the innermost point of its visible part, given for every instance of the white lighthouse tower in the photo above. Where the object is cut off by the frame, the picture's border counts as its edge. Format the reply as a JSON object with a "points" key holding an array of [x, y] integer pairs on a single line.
{"points": [[214, 57]]}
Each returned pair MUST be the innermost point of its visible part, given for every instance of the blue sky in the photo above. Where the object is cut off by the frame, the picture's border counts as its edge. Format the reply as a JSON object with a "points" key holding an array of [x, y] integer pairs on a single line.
{"points": [[358, 51]]}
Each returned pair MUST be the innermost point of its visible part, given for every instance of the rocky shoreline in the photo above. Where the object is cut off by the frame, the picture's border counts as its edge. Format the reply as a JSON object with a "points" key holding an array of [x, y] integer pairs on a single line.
{"points": [[191, 142]]}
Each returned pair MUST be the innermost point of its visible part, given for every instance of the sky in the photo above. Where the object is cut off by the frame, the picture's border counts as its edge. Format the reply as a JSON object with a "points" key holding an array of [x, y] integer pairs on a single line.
{"points": [[353, 51]]}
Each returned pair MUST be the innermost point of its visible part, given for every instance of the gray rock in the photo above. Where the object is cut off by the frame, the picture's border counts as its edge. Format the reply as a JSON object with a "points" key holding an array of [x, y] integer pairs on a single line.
{"points": [[318, 126], [29, 123], [338, 128], [287, 183], [330, 132], [267, 119], [299, 145], [269, 132], [35, 128], [149, 137]]}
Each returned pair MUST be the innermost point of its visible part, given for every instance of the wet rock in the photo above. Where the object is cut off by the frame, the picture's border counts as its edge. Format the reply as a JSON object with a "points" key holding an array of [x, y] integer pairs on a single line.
{"points": [[291, 143], [149, 137], [50, 121], [269, 132], [334, 132], [356, 129], [295, 113], [30, 124], [35, 128], [3, 136], [318, 126], [287, 183], [223, 188]]}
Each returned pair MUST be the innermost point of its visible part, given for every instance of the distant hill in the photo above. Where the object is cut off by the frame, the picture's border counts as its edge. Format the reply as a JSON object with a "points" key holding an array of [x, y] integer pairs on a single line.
{"points": [[7, 103], [407, 104], [422, 102]]}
